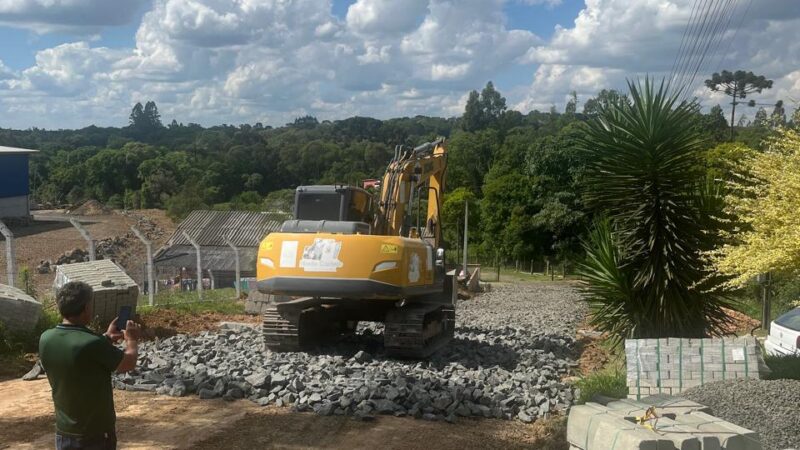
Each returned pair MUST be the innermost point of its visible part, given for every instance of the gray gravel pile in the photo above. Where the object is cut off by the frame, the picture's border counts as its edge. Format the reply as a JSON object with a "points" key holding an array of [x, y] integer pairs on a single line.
{"points": [[495, 367], [770, 407]]}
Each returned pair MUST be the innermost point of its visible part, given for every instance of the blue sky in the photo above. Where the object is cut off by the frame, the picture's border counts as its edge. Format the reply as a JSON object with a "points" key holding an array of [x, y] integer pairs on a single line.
{"points": [[71, 63]]}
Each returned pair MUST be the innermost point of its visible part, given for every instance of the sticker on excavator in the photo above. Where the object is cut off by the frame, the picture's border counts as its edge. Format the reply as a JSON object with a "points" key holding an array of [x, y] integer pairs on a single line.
{"points": [[289, 254], [413, 268], [388, 248], [268, 245], [321, 256]]}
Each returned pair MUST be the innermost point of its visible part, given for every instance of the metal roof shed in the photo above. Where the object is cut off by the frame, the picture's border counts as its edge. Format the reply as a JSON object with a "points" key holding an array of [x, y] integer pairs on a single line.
{"points": [[208, 229]]}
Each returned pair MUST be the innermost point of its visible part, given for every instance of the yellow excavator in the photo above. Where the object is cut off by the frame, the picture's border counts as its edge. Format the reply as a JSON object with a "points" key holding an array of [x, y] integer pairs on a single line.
{"points": [[349, 256]]}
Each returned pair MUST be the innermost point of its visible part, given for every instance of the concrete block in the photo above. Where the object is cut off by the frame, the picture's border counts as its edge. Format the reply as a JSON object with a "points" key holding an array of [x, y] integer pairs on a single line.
{"points": [[18, 311], [112, 287], [732, 437]]}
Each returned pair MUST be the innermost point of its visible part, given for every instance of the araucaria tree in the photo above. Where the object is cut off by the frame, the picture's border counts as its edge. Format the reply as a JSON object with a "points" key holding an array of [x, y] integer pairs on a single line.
{"points": [[737, 85], [766, 200], [645, 268]]}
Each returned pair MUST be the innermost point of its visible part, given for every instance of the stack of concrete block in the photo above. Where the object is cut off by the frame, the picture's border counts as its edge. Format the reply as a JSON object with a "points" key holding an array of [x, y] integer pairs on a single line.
{"points": [[681, 425], [18, 310], [112, 287], [256, 302], [672, 365]]}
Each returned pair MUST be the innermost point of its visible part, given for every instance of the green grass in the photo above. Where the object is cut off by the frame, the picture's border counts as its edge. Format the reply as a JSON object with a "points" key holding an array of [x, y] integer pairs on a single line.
{"points": [[180, 297], [220, 306], [609, 382], [511, 275], [218, 300], [783, 367]]}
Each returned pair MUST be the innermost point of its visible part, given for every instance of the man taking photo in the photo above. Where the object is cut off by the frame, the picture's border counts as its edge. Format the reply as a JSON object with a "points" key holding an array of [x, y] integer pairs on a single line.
{"points": [[79, 364]]}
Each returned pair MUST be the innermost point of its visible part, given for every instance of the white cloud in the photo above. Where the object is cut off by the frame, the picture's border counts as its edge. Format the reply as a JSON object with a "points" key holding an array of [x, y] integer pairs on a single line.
{"points": [[232, 61], [614, 40], [81, 16], [385, 16]]}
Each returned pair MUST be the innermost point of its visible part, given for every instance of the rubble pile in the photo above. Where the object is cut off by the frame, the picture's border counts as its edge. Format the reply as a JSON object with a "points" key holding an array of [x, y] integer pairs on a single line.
{"points": [[500, 370]]}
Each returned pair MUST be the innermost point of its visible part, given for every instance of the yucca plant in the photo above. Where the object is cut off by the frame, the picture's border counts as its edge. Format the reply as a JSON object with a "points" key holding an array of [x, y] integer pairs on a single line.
{"points": [[645, 270]]}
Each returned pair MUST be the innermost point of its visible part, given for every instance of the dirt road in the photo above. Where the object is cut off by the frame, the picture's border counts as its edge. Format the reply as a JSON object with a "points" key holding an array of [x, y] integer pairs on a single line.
{"points": [[146, 421]]}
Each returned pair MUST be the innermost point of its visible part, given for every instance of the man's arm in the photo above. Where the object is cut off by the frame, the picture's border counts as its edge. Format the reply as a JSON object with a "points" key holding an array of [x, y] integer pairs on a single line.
{"points": [[131, 334]]}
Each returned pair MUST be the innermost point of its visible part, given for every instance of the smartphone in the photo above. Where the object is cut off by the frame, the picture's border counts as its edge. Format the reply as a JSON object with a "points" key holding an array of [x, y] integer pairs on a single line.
{"points": [[124, 316]]}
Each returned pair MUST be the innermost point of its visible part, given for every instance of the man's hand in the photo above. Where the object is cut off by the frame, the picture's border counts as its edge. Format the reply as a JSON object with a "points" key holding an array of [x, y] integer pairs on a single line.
{"points": [[132, 332], [113, 332]]}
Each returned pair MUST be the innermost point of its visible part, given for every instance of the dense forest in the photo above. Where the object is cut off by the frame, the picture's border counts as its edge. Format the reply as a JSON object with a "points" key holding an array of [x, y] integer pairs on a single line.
{"points": [[523, 174]]}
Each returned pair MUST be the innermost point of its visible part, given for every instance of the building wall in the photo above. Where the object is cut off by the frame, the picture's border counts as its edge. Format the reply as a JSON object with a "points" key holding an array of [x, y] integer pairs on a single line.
{"points": [[14, 206], [13, 175], [14, 185]]}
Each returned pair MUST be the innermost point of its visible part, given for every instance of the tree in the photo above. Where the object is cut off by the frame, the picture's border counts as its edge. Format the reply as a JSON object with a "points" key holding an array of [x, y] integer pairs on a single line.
{"points": [[766, 201], [737, 85], [484, 110], [796, 118], [305, 122], [645, 263], [572, 104], [714, 123], [152, 116], [778, 116], [760, 120], [604, 99]]}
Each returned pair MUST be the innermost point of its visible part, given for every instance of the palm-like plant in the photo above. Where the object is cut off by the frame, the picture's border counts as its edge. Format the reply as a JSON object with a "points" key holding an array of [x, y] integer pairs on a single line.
{"points": [[645, 268]]}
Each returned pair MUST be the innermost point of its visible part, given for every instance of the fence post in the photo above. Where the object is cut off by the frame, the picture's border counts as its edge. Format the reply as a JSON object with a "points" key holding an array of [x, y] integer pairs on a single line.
{"points": [[564, 270], [85, 235], [199, 266], [10, 254], [149, 247], [211, 277], [238, 268]]}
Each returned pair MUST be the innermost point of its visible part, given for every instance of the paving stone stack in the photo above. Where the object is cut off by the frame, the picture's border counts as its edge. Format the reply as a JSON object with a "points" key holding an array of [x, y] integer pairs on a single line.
{"points": [[681, 424], [112, 287], [18, 310], [672, 365]]}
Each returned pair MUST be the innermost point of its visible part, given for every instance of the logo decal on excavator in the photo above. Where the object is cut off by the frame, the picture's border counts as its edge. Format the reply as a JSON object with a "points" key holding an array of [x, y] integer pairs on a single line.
{"points": [[413, 268], [388, 248], [321, 256]]}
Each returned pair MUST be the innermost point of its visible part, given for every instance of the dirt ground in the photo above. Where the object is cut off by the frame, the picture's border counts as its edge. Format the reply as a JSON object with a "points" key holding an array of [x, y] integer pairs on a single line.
{"points": [[50, 235], [161, 323], [147, 421]]}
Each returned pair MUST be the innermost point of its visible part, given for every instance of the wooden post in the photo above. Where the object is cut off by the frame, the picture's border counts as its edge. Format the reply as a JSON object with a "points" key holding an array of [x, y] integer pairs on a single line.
{"points": [[564, 270], [85, 235], [531, 267], [11, 271], [199, 266], [238, 268], [149, 248], [547, 266], [211, 277]]}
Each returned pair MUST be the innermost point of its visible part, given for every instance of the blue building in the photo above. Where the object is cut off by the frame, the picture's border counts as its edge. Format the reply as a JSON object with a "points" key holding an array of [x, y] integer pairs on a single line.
{"points": [[14, 188]]}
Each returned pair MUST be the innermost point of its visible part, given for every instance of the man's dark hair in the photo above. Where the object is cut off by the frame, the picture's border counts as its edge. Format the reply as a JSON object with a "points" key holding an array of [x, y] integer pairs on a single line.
{"points": [[73, 297]]}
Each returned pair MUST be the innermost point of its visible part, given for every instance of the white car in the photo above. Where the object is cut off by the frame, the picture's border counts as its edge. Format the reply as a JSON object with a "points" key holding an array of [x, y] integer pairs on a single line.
{"points": [[784, 335]]}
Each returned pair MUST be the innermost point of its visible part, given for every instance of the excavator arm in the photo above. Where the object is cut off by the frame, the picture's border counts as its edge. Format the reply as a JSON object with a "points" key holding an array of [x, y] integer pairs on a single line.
{"points": [[409, 172]]}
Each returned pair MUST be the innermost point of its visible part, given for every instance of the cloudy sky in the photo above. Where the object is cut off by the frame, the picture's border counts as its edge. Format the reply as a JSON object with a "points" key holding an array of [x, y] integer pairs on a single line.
{"points": [[72, 63]]}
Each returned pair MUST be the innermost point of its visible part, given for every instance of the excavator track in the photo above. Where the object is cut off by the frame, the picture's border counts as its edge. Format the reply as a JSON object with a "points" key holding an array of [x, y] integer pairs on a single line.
{"points": [[281, 334], [418, 330]]}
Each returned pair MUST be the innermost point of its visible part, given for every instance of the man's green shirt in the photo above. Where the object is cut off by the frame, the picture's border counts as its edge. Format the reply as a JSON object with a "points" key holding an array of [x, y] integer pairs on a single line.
{"points": [[79, 364]]}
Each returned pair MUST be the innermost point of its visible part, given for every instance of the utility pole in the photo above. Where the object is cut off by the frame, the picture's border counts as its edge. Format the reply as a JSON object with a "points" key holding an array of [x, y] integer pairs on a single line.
{"points": [[10, 254], [238, 268], [199, 266], [149, 247], [85, 235]]}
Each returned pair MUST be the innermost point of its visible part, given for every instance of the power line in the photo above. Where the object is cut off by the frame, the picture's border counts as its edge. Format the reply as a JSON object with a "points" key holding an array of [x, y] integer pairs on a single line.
{"points": [[683, 41], [683, 52], [733, 38], [714, 38], [691, 50]]}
